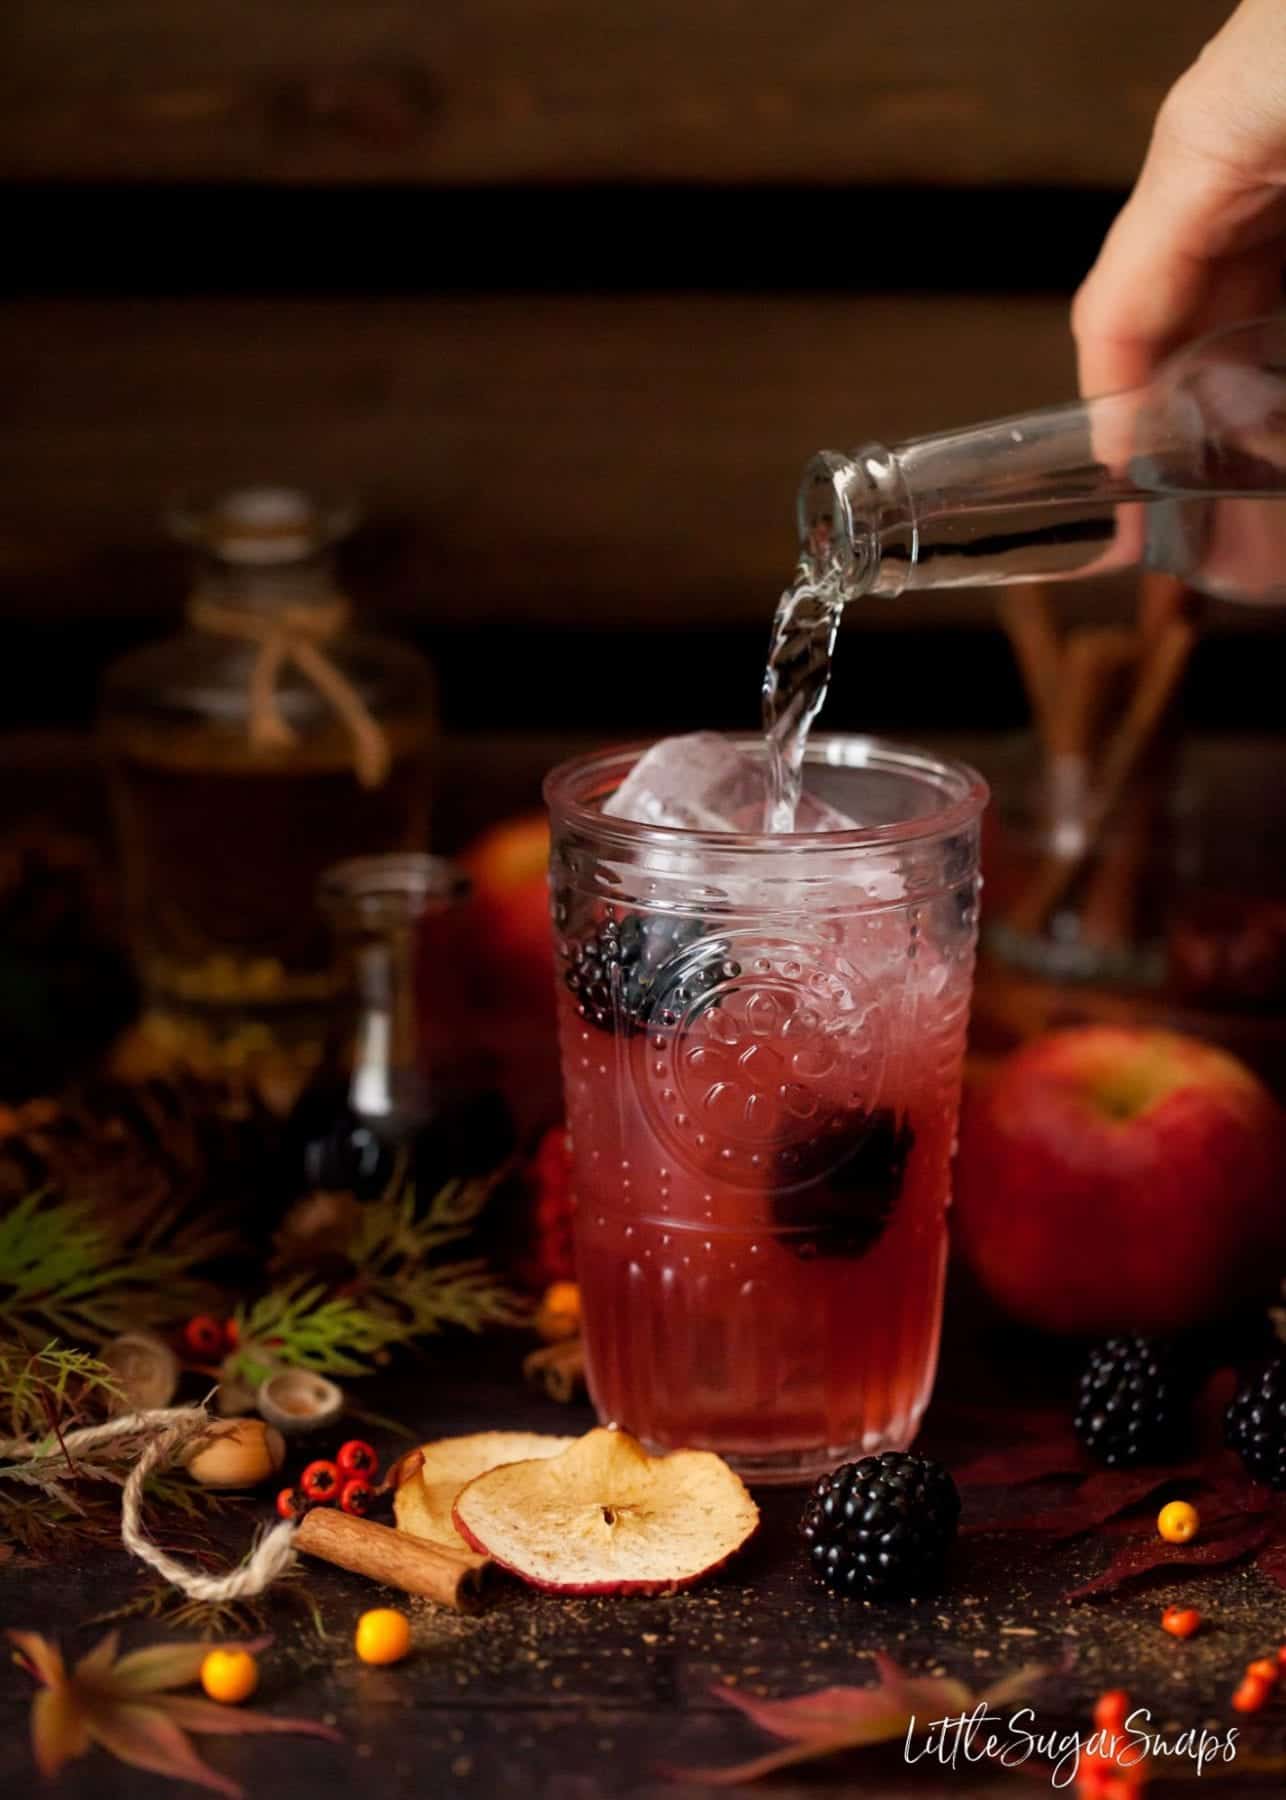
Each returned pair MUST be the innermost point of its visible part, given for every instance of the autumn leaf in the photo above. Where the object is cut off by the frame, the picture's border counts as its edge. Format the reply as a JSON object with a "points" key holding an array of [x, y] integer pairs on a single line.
{"points": [[833, 1720], [1099, 1498], [124, 1704], [1271, 1561], [1226, 1541], [1046, 1445], [1057, 1454]]}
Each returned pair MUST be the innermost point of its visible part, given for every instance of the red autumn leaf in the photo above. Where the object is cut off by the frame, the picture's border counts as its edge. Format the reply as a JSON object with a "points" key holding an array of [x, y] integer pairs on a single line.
{"points": [[1037, 1460], [832, 1720], [1212, 1404], [122, 1703], [1099, 1498], [145, 1738], [1228, 1540], [1271, 1560], [1226, 1488]]}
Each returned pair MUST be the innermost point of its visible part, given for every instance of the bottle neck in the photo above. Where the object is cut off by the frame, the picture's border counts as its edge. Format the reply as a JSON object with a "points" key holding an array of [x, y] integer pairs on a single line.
{"points": [[1071, 491], [264, 589], [386, 1080], [395, 920]]}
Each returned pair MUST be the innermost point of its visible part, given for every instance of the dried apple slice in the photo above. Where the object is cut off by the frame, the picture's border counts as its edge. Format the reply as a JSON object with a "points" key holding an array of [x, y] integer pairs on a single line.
{"points": [[422, 1504], [607, 1518]]}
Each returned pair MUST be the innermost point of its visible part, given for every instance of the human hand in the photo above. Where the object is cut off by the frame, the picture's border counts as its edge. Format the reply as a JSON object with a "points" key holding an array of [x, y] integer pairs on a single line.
{"points": [[1202, 239]]}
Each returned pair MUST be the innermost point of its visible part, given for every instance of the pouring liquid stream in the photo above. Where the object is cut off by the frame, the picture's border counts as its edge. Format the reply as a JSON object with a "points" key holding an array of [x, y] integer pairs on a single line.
{"points": [[798, 673]]}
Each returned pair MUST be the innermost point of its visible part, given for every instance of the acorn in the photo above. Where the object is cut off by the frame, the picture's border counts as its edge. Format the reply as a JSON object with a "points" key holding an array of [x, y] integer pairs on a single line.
{"points": [[236, 1453]]}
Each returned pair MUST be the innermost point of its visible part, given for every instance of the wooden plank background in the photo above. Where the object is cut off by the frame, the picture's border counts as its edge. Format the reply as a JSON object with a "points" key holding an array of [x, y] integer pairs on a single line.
{"points": [[481, 91], [568, 460], [545, 284]]}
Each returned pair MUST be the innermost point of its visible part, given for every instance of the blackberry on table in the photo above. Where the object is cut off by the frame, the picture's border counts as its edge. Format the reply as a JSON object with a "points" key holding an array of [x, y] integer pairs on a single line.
{"points": [[1135, 1402], [645, 968], [847, 1212], [881, 1528], [1255, 1424]]}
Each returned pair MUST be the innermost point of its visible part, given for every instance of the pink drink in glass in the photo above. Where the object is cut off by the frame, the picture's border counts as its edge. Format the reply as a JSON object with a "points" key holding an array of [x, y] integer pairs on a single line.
{"points": [[761, 1044]]}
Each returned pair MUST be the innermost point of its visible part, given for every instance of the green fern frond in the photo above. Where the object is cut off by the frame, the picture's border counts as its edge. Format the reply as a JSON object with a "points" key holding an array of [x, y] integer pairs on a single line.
{"points": [[66, 1271], [302, 1325], [394, 1252], [52, 1384]]}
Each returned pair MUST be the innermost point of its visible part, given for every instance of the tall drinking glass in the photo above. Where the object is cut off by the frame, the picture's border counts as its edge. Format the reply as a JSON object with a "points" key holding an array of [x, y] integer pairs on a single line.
{"points": [[761, 1045]]}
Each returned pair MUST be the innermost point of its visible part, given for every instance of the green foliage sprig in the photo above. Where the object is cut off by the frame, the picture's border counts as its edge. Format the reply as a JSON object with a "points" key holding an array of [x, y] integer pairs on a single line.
{"points": [[70, 1271], [397, 1291]]}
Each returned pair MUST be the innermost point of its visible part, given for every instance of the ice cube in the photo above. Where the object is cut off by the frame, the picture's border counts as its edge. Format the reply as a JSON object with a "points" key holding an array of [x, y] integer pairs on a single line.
{"points": [[702, 782], [694, 783]]}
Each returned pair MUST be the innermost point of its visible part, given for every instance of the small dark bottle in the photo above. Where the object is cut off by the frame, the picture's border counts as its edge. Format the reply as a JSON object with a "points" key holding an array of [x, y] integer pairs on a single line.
{"points": [[400, 1098]]}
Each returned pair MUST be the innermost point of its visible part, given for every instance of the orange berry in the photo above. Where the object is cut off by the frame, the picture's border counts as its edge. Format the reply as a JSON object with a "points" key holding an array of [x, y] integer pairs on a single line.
{"points": [[230, 1676], [1251, 1695], [560, 1311], [1180, 1621], [1281, 1656], [1265, 1667], [1111, 1710], [383, 1635], [1178, 1522]]}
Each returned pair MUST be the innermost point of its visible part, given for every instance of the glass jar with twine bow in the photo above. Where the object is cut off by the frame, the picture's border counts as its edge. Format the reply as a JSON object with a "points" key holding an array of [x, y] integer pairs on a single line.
{"points": [[265, 742]]}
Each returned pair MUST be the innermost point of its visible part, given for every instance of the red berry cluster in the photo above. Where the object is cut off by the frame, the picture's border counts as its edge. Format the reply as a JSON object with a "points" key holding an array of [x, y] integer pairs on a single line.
{"points": [[350, 1480], [549, 1180], [205, 1337]]}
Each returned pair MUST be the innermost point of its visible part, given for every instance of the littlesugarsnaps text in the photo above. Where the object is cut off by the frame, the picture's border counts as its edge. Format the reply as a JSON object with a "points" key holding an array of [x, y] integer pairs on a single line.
{"points": [[984, 1736]]}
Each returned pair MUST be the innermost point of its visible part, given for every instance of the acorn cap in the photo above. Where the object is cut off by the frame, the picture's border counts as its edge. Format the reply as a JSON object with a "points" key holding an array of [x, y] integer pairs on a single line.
{"points": [[299, 1400]]}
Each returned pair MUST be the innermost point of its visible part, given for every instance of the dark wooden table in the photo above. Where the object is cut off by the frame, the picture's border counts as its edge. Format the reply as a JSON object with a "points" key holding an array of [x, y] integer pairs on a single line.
{"points": [[559, 1699]]}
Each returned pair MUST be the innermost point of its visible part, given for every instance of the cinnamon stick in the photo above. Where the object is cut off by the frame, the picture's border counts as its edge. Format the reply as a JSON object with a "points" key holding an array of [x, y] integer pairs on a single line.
{"points": [[1094, 666], [558, 1368], [1162, 600], [451, 1577], [1159, 678], [1113, 892], [1028, 622]]}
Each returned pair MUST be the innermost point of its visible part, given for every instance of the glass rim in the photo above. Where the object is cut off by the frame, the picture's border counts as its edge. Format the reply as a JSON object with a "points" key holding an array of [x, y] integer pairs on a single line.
{"points": [[964, 790], [385, 888]]}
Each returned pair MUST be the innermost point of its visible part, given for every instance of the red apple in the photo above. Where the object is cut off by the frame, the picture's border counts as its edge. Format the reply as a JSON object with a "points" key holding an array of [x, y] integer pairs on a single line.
{"points": [[1113, 1178], [509, 868], [512, 965]]}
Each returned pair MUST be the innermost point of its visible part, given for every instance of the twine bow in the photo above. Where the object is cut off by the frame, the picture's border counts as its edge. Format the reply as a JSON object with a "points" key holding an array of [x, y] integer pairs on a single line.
{"points": [[298, 634], [161, 1435]]}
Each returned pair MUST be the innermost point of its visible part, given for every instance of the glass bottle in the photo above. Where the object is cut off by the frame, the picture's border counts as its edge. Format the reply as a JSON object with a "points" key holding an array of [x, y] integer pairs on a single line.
{"points": [[1173, 476], [401, 1096], [252, 751]]}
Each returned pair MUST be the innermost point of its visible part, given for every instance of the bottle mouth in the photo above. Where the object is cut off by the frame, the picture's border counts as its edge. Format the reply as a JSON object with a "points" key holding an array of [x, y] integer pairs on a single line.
{"points": [[378, 891], [824, 513], [262, 526]]}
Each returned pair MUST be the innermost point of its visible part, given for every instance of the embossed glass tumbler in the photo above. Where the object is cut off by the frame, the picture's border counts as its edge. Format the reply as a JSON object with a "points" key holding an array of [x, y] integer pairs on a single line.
{"points": [[762, 1040]]}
